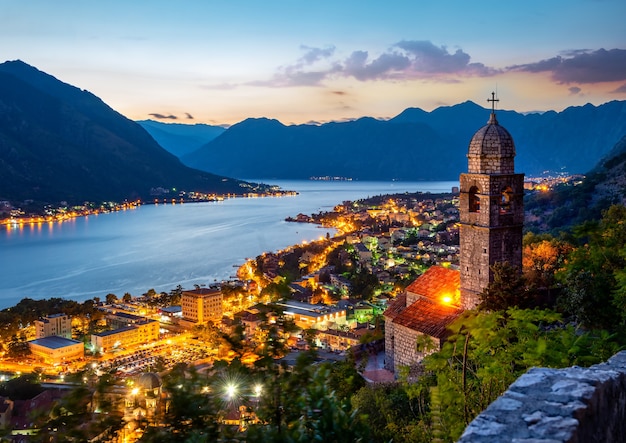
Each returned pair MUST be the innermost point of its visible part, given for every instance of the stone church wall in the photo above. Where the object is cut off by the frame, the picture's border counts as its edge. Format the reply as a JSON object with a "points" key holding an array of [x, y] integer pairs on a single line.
{"points": [[405, 346], [389, 345], [576, 405]]}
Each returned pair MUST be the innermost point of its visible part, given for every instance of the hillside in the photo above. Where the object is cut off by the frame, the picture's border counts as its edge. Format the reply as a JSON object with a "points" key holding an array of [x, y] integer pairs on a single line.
{"points": [[569, 205], [58, 142], [181, 139], [415, 145]]}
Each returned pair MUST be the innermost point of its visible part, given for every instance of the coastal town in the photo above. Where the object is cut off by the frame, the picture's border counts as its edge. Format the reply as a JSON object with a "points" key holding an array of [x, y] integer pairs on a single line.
{"points": [[328, 295]]}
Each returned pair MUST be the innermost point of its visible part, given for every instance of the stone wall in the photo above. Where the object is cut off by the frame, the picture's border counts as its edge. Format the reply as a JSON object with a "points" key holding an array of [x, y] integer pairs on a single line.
{"points": [[405, 347], [574, 405]]}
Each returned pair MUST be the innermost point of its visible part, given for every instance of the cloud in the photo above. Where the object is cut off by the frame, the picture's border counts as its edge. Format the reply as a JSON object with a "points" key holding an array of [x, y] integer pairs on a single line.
{"points": [[406, 59], [313, 55], [189, 116], [387, 65], [426, 58], [582, 66], [163, 116], [620, 90], [574, 90]]}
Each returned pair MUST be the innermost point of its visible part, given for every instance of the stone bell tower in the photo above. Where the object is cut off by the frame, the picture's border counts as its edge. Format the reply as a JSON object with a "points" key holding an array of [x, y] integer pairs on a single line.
{"points": [[491, 208]]}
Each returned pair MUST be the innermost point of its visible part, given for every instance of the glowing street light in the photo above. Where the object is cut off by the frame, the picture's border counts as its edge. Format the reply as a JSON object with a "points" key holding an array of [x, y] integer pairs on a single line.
{"points": [[257, 390], [231, 390]]}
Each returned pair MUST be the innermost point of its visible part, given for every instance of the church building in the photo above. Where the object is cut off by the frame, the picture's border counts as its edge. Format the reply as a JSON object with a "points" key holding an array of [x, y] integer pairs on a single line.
{"points": [[491, 210]]}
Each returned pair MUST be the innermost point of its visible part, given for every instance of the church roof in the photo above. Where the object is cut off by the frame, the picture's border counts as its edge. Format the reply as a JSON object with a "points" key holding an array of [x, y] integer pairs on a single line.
{"points": [[428, 317], [396, 306], [491, 150], [436, 282], [149, 380], [426, 311]]}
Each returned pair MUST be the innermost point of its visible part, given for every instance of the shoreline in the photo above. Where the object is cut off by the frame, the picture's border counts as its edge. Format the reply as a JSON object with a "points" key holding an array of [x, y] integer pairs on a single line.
{"points": [[82, 211]]}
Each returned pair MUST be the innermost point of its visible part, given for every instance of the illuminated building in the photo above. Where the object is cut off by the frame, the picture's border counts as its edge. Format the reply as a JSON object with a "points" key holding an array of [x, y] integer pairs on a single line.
{"points": [[491, 207], [56, 324], [138, 333], [307, 316], [491, 219], [202, 305], [56, 350]]}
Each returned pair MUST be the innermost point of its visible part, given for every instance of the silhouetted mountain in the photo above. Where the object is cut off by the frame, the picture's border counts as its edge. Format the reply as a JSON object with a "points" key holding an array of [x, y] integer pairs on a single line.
{"points": [[58, 142], [363, 149], [415, 145], [569, 205], [181, 139]]}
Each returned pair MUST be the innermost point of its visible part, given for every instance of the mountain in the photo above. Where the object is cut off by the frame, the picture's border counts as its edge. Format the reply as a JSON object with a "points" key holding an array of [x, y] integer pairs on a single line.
{"points": [[415, 145], [58, 142], [363, 149], [181, 139]]}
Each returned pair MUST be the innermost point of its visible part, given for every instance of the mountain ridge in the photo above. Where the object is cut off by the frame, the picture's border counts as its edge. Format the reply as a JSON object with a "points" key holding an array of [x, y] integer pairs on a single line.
{"points": [[58, 142], [420, 145]]}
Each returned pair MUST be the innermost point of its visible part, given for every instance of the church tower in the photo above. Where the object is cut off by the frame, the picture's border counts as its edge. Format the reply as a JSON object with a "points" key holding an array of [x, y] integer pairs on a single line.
{"points": [[491, 208]]}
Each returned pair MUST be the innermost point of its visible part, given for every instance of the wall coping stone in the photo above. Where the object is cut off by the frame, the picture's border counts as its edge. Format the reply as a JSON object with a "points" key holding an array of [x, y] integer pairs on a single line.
{"points": [[544, 405]]}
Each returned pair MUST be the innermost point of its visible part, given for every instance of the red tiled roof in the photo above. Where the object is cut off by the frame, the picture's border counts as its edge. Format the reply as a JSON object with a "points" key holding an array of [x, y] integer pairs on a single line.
{"points": [[395, 307], [435, 282], [428, 314], [428, 317]]}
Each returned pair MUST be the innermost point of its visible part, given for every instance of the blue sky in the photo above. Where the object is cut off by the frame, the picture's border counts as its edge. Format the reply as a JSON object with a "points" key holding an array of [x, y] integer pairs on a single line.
{"points": [[220, 62]]}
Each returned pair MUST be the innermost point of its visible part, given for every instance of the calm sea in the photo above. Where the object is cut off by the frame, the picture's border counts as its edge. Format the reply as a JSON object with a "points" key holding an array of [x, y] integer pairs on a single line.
{"points": [[162, 246]]}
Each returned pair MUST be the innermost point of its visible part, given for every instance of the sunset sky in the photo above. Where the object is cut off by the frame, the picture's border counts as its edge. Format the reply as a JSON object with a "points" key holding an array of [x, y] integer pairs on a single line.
{"points": [[219, 62]]}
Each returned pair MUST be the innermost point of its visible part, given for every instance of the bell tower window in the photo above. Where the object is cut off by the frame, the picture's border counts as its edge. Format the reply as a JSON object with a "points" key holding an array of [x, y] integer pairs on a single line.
{"points": [[506, 200], [474, 199]]}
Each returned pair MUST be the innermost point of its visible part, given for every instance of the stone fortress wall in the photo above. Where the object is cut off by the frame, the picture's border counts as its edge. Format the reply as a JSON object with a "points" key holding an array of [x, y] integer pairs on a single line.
{"points": [[574, 405]]}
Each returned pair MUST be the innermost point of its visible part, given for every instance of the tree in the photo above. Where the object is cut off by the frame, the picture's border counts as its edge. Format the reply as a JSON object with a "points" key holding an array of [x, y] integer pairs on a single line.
{"points": [[18, 347], [300, 406], [593, 275], [508, 289], [542, 257], [194, 410], [110, 299], [392, 414]]}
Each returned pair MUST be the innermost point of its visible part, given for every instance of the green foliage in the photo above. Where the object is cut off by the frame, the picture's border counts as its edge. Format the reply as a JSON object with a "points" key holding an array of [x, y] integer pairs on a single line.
{"points": [[18, 347], [193, 413], [301, 406], [393, 413], [488, 351], [507, 289], [593, 276]]}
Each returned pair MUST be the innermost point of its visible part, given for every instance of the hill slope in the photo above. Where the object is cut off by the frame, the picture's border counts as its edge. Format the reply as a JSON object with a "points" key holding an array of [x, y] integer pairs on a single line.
{"points": [[58, 142], [181, 139], [415, 145], [569, 205]]}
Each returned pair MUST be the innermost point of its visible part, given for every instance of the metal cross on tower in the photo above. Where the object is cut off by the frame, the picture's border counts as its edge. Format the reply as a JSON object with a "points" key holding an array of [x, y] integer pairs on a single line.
{"points": [[493, 101]]}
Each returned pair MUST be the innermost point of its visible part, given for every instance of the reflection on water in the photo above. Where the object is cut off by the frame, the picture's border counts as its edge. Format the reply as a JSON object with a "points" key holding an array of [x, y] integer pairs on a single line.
{"points": [[162, 246]]}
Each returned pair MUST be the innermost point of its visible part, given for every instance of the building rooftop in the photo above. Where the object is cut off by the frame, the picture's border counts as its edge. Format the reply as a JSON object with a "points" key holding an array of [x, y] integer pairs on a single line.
{"points": [[54, 342], [436, 283], [428, 317], [202, 292]]}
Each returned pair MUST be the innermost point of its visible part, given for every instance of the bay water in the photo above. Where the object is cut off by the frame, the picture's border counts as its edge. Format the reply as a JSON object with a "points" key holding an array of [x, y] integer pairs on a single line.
{"points": [[162, 246]]}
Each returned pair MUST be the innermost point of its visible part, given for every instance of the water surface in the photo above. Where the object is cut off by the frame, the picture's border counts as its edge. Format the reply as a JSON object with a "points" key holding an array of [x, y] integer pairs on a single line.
{"points": [[162, 246]]}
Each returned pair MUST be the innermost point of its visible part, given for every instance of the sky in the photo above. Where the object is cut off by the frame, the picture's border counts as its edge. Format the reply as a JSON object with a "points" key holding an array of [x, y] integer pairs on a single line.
{"points": [[220, 62]]}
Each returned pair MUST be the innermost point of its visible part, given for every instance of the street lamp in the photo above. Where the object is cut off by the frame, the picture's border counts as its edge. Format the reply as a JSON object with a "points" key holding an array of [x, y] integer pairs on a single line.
{"points": [[231, 390]]}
